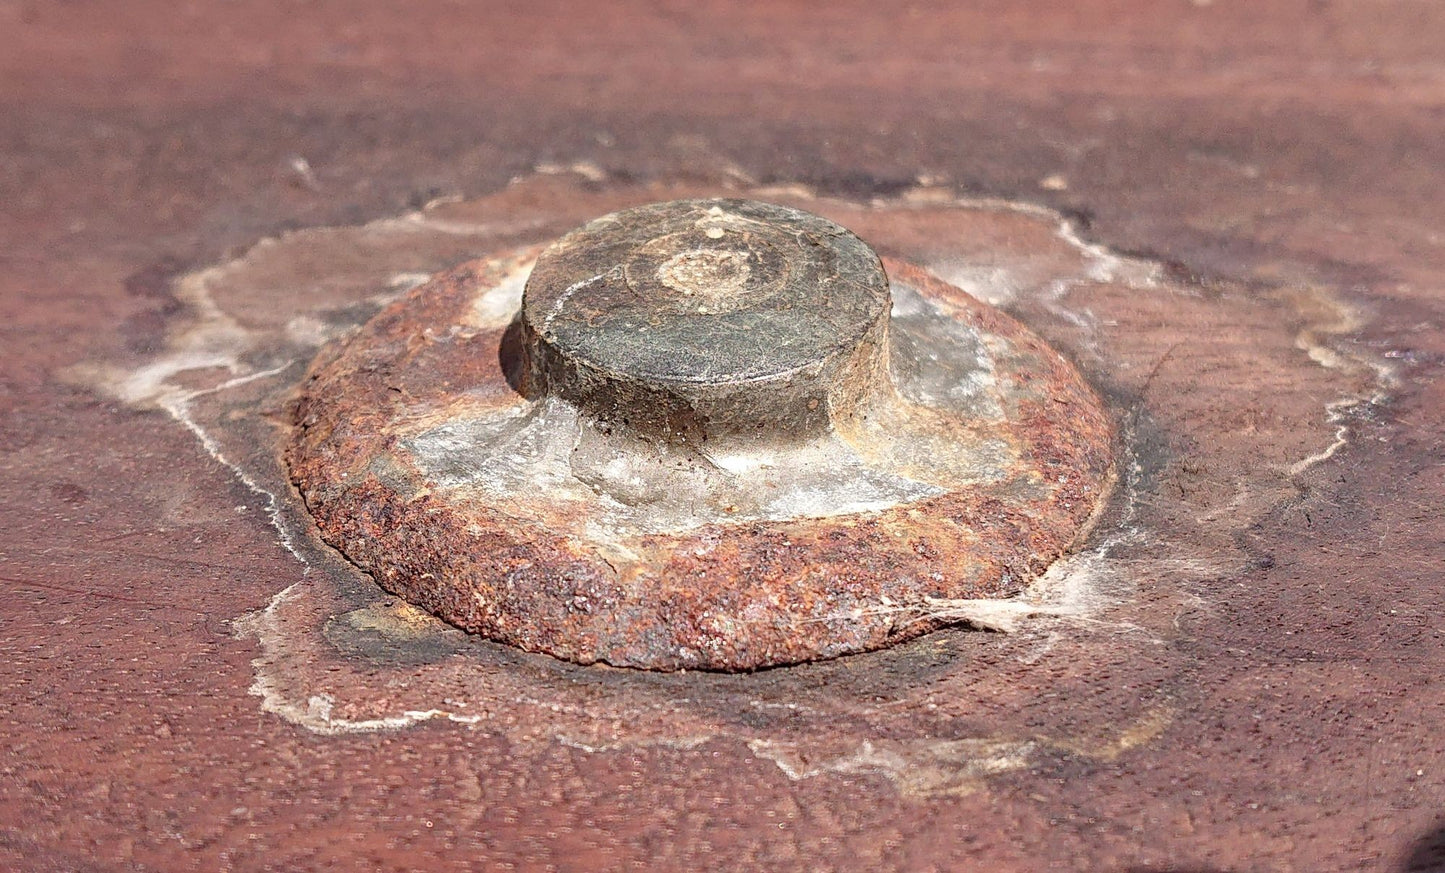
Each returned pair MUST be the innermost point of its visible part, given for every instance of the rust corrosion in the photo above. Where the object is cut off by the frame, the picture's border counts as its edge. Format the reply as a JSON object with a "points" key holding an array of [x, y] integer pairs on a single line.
{"points": [[1274, 583], [710, 591]]}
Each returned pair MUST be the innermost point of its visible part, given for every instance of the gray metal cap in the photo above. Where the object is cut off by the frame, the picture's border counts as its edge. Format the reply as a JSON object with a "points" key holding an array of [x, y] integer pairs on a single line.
{"points": [[696, 320]]}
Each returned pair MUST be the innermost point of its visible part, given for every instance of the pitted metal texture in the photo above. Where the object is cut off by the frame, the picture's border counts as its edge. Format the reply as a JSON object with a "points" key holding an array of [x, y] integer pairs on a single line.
{"points": [[521, 469]]}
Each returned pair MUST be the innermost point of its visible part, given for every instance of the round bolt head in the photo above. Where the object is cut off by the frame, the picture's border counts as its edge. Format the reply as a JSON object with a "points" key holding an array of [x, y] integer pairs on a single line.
{"points": [[704, 319]]}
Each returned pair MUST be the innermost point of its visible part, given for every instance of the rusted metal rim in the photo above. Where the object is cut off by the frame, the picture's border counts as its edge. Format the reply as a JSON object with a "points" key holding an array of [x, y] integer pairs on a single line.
{"points": [[508, 513]]}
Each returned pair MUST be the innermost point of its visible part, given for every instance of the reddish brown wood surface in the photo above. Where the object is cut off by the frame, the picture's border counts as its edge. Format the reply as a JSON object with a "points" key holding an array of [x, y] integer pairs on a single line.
{"points": [[1281, 145]]}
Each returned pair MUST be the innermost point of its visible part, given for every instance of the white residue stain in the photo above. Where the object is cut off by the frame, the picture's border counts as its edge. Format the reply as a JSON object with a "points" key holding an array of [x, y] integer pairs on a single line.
{"points": [[919, 769], [1333, 317], [498, 305]]}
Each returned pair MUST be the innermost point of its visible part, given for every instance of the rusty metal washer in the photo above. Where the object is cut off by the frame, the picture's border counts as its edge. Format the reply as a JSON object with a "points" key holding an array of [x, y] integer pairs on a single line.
{"points": [[706, 437]]}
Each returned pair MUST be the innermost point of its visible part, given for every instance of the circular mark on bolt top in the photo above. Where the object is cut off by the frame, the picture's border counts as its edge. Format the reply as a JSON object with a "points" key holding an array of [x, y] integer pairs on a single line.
{"points": [[713, 276]]}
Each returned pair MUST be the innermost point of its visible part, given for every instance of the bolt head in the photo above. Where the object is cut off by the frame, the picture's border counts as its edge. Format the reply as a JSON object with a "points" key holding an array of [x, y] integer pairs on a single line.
{"points": [[708, 318]]}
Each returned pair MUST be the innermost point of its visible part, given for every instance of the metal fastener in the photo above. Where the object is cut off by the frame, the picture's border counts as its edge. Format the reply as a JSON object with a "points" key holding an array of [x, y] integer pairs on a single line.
{"points": [[706, 321], [713, 435]]}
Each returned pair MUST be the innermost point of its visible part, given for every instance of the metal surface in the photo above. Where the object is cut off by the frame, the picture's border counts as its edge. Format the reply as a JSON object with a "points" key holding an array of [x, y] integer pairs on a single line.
{"points": [[701, 323], [653, 466], [1262, 693]]}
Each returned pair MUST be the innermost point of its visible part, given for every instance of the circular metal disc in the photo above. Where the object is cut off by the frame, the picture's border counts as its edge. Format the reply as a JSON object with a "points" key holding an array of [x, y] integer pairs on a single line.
{"points": [[526, 518]]}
